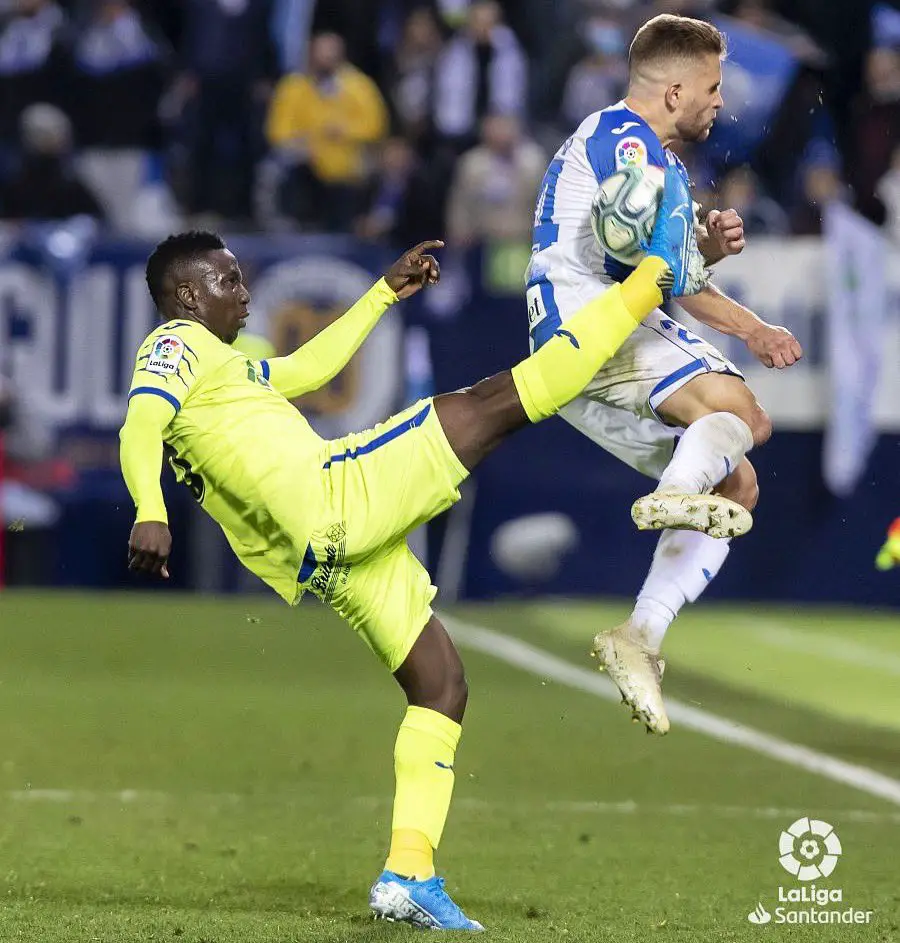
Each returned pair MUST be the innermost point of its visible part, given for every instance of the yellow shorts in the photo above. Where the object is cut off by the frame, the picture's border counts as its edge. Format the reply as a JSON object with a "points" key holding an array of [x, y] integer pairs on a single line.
{"points": [[380, 485]]}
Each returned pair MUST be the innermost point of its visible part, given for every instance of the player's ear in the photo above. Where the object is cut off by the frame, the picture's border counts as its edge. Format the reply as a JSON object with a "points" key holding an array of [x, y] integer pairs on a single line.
{"points": [[186, 294], [673, 96]]}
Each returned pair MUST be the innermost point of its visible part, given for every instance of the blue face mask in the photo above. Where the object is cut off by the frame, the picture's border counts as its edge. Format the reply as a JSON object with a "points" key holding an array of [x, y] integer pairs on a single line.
{"points": [[605, 38]]}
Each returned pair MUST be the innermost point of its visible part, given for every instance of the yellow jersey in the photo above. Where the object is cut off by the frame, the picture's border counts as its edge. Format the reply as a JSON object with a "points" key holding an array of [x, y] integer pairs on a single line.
{"points": [[248, 455]]}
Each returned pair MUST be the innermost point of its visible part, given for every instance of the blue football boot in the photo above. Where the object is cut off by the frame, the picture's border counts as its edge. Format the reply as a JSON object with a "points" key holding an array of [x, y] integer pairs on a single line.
{"points": [[673, 239], [423, 904]]}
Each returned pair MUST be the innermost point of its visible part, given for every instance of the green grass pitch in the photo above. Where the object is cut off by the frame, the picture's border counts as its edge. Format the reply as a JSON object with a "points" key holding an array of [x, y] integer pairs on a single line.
{"points": [[207, 771]]}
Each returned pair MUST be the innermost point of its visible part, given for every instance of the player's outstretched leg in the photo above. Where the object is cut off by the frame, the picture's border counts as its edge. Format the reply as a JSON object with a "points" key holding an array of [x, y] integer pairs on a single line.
{"points": [[407, 890], [477, 419]]}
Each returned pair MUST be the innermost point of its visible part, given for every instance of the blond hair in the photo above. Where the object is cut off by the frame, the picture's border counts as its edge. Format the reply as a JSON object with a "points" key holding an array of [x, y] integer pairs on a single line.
{"points": [[667, 37]]}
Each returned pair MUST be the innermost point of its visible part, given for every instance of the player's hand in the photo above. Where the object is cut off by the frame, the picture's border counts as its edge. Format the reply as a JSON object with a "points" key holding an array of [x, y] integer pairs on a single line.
{"points": [[414, 270], [726, 229], [149, 547], [774, 346]]}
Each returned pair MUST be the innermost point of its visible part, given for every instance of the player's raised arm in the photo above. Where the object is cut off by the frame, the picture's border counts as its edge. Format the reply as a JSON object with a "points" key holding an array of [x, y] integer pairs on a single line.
{"points": [[141, 453], [321, 359]]}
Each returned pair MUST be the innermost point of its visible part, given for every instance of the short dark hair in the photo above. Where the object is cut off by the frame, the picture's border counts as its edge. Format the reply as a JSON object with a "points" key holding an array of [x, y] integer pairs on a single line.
{"points": [[674, 37], [177, 249]]}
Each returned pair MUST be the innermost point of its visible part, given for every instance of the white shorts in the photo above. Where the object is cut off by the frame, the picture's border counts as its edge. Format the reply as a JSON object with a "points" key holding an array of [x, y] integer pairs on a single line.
{"points": [[618, 409]]}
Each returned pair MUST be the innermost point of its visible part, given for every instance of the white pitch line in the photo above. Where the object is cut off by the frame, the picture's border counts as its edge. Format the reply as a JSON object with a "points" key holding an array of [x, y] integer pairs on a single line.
{"points": [[544, 664], [123, 796]]}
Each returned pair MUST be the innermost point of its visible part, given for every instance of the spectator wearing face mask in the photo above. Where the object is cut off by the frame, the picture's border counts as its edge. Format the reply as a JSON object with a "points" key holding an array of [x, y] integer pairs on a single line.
{"points": [[598, 79], [585, 69]]}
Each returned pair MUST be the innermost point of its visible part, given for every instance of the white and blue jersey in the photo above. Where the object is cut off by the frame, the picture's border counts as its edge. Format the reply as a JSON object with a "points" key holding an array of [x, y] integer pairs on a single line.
{"points": [[568, 267], [619, 408]]}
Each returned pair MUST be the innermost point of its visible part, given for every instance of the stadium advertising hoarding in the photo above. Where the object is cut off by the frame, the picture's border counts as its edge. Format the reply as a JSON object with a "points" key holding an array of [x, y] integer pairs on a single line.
{"points": [[68, 332], [70, 327]]}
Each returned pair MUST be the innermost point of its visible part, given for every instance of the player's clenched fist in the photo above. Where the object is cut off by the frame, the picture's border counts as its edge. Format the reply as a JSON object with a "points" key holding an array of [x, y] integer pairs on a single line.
{"points": [[149, 547], [727, 229], [774, 346], [414, 269]]}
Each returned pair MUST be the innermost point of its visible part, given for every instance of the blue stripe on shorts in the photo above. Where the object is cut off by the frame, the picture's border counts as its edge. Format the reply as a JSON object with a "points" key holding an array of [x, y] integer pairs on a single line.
{"points": [[381, 440]]}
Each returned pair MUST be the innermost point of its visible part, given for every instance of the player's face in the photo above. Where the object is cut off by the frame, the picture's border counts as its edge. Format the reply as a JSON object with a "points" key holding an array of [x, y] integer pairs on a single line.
{"points": [[224, 297], [699, 99]]}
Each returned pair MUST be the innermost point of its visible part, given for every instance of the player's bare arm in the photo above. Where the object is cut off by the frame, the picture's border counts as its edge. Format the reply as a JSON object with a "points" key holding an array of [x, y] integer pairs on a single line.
{"points": [[720, 235], [772, 345]]}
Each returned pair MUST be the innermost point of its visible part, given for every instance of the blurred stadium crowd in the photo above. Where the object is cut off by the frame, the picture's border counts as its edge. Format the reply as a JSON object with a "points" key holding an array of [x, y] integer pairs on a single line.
{"points": [[401, 119]]}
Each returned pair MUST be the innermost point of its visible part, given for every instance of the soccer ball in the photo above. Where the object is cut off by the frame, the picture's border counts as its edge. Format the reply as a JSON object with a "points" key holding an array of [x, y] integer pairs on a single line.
{"points": [[623, 210]]}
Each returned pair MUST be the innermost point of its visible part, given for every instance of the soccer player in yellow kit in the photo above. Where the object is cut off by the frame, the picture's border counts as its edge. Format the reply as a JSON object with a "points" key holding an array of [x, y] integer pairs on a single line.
{"points": [[331, 518]]}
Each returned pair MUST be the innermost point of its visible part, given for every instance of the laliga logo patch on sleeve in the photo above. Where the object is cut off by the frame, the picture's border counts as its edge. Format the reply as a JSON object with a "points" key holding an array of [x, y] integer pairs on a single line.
{"points": [[166, 355], [631, 152]]}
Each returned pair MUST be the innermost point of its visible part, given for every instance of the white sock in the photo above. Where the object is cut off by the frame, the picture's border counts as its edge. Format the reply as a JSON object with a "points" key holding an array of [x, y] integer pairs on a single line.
{"points": [[684, 564], [710, 449]]}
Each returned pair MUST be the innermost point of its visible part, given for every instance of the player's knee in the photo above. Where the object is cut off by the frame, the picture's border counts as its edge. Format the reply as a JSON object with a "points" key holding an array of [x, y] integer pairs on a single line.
{"points": [[760, 425], [453, 695], [432, 675], [741, 486], [444, 688], [459, 694]]}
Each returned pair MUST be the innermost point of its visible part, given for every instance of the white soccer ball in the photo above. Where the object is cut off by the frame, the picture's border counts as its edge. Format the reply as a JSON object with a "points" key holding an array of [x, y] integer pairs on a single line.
{"points": [[623, 210]]}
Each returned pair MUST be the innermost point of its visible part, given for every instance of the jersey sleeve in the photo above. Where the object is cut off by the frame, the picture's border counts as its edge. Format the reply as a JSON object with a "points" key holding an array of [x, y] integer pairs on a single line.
{"points": [[618, 142], [167, 366], [321, 359], [141, 453]]}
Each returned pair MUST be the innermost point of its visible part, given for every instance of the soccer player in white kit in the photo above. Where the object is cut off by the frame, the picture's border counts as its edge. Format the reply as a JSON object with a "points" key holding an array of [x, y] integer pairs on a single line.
{"points": [[666, 386]]}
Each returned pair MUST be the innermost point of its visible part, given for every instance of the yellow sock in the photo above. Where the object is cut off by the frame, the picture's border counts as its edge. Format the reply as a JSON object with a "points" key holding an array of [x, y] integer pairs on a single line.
{"points": [[423, 764], [411, 855], [556, 373]]}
